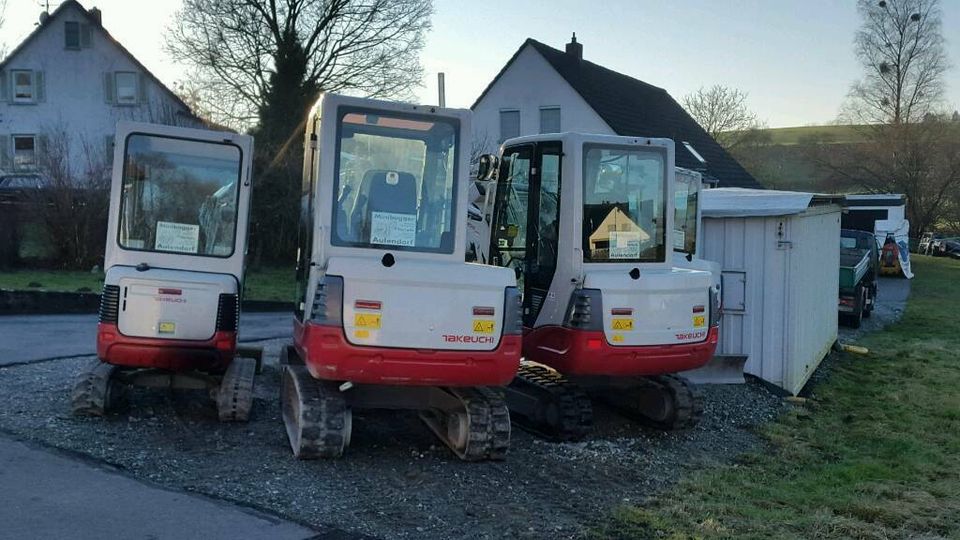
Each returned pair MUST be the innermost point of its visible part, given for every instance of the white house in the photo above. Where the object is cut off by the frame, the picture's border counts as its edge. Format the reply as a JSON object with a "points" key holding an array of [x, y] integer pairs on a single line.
{"points": [[545, 90], [70, 76]]}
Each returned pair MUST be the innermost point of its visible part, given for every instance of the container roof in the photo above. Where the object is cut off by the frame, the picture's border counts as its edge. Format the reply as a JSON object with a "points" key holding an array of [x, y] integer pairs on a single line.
{"points": [[745, 202]]}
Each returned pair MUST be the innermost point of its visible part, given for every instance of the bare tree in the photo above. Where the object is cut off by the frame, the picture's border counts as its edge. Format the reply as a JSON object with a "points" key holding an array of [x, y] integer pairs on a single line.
{"points": [[242, 50], [72, 209], [902, 53], [723, 113], [3, 20], [908, 145]]}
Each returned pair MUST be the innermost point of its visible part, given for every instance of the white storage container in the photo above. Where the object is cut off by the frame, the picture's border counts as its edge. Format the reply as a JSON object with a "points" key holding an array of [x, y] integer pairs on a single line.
{"points": [[780, 257]]}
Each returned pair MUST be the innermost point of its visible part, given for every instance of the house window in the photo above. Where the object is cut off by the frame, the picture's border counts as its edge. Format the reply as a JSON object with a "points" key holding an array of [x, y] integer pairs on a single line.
{"points": [[71, 35], [509, 124], [549, 119], [23, 87], [126, 88], [24, 152]]}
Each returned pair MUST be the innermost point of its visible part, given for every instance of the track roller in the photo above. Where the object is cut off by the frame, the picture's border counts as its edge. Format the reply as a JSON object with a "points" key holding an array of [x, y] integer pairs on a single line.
{"points": [[544, 402], [96, 392], [235, 394], [480, 430], [315, 414], [667, 402]]}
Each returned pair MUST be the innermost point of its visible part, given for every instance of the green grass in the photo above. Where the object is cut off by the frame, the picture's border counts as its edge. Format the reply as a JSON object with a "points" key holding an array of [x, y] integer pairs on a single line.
{"points": [[874, 454], [275, 284], [51, 280], [807, 134]]}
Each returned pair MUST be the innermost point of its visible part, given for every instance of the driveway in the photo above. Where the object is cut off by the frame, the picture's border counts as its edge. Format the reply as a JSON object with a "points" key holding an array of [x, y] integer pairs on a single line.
{"points": [[29, 338]]}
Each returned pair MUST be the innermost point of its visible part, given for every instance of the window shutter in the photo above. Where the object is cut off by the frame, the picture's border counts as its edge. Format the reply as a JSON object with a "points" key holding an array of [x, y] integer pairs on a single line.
{"points": [[5, 152], [108, 88], [4, 87], [142, 89], [509, 125], [85, 36], [39, 84]]}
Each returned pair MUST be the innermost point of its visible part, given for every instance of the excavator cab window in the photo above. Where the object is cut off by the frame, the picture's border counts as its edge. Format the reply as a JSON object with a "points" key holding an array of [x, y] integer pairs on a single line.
{"points": [[686, 197], [179, 196], [623, 204], [396, 181], [527, 220]]}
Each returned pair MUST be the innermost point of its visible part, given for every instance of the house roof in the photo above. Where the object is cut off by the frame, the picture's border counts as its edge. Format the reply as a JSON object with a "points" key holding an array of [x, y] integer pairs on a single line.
{"points": [[97, 24], [633, 107]]}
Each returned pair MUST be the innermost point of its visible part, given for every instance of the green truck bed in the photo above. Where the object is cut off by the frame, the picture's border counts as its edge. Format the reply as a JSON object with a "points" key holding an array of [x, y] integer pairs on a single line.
{"points": [[854, 263]]}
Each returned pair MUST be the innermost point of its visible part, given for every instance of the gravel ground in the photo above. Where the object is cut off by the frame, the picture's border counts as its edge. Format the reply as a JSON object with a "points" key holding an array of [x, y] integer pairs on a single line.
{"points": [[397, 480]]}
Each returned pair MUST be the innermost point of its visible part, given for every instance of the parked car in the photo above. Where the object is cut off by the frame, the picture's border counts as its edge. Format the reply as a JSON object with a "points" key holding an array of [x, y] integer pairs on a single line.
{"points": [[925, 246], [17, 187], [946, 247]]}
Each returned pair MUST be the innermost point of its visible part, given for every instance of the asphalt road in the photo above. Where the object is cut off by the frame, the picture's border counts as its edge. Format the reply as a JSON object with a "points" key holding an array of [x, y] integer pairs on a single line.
{"points": [[47, 495], [28, 338]]}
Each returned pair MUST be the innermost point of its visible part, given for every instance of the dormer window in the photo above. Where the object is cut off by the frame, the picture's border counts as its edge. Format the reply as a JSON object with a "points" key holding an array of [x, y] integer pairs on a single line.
{"points": [[76, 35], [72, 35], [23, 87]]}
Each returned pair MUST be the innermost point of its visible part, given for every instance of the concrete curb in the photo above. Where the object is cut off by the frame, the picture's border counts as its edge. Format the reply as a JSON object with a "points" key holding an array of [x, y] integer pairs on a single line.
{"points": [[58, 303]]}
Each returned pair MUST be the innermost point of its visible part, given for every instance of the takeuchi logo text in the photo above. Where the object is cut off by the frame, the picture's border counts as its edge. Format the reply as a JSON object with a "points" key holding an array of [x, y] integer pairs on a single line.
{"points": [[691, 335], [450, 338]]}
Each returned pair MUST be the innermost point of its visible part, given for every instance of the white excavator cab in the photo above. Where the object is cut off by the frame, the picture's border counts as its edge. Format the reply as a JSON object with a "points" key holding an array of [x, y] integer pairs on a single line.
{"points": [[174, 261], [587, 223], [389, 314]]}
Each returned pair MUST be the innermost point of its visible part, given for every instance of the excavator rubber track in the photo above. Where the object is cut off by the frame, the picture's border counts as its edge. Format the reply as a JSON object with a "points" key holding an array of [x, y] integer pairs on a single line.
{"points": [[96, 392], [315, 413], [235, 394], [667, 402], [479, 431], [562, 410]]}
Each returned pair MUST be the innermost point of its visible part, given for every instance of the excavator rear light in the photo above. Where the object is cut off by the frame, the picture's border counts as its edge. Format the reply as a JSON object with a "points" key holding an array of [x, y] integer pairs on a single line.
{"points": [[512, 312], [367, 304], [484, 311], [621, 311], [327, 306], [715, 310], [699, 309], [580, 311]]}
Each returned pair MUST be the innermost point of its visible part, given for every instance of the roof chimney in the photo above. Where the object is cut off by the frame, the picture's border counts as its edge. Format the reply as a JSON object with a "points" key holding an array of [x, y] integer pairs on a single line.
{"points": [[575, 49], [97, 15]]}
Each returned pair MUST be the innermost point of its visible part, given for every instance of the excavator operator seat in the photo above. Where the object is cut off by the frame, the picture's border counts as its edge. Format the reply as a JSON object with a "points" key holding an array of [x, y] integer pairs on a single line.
{"points": [[383, 191]]}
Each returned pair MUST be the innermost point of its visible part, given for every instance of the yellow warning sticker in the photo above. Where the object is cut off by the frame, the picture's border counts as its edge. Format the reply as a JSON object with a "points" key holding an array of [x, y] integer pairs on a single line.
{"points": [[167, 327], [367, 320], [617, 338], [361, 334], [622, 324], [481, 326], [699, 321]]}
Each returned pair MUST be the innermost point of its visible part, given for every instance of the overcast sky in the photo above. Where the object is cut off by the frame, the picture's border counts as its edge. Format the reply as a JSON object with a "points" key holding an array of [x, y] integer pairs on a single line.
{"points": [[793, 57]]}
